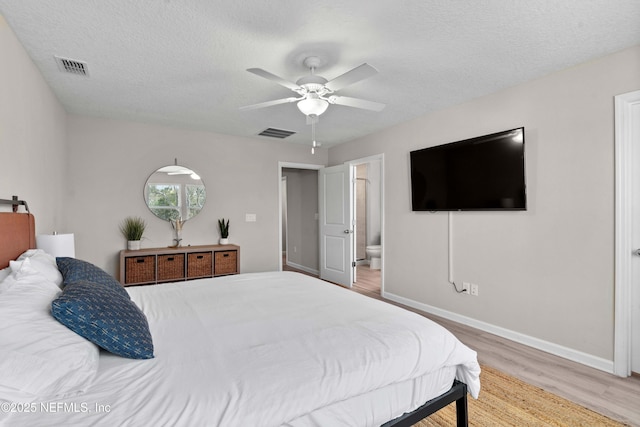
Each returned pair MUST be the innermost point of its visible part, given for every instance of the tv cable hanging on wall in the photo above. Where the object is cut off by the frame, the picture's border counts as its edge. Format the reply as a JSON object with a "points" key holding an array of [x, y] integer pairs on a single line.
{"points": [[450, 237]]}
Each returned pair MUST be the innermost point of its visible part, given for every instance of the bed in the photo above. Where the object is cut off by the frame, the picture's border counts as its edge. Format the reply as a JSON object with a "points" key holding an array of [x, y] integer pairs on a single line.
{"points": [[258, 349]]}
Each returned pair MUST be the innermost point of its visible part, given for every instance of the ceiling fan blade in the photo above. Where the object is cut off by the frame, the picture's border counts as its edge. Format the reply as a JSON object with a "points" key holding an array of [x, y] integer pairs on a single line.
{"points": [[361, 72], [269, 76], [356, 102], [269, 103]]}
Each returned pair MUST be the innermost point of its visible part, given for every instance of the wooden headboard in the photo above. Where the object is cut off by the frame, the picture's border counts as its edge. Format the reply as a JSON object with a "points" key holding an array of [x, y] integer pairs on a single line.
{"points": [[17, 234]]}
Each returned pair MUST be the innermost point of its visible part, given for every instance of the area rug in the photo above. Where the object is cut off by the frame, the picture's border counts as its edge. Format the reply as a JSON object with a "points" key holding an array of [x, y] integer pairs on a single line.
{"points": [[507, 401]]}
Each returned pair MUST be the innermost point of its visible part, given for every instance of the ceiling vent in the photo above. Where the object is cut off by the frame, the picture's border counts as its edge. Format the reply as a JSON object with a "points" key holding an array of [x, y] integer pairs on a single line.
{"points": [[72, 66], [276, 133]]}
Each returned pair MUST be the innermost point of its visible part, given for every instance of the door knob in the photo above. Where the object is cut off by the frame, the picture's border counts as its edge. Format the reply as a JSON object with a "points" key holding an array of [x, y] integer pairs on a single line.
{"points": [[637, 252], [349, 231]]}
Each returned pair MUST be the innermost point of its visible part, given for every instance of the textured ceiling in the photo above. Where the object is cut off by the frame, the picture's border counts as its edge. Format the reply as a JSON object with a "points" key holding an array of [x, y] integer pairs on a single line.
{"points": [[182, 62]]}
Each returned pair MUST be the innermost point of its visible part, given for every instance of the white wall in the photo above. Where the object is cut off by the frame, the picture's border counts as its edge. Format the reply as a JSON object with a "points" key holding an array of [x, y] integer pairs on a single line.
{"points": [[111, 161], [546, 273], [84, 175], [32, 137]]}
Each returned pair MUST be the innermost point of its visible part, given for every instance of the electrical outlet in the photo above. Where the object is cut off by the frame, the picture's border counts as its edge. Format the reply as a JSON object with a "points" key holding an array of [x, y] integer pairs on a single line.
{"points": [[465, 287], [250, 217], [474, 289]]}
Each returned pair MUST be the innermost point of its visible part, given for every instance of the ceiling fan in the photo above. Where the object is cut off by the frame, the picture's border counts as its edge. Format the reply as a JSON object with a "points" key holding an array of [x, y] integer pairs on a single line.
{"points": [[178, 170], [315, 93]]}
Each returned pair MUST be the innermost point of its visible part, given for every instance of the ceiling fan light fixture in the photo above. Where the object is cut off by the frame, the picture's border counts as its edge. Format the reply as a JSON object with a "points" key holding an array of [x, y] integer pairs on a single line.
{"points": [[312, 106]]}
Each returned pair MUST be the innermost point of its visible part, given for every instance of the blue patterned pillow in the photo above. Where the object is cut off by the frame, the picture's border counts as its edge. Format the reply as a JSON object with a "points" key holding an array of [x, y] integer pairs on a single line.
{"points": [[103, 316], [76, 270]]}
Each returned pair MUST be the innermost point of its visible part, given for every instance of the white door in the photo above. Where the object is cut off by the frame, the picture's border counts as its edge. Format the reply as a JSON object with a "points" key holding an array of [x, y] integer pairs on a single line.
{"points": [[336, 224], [635, 284], [627, 226]]}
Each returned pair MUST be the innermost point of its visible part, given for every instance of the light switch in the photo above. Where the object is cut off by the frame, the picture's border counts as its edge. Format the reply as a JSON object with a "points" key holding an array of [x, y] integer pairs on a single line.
{"points": [[250, 217]]}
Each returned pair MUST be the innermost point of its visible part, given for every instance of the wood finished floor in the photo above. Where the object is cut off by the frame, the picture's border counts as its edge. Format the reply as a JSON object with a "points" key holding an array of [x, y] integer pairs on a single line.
{"points": [[618, 398]]}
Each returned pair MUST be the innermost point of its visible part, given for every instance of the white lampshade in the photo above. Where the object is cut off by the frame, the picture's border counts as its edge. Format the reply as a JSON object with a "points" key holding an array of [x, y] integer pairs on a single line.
{"points": [[313, 106], [58, 245]]}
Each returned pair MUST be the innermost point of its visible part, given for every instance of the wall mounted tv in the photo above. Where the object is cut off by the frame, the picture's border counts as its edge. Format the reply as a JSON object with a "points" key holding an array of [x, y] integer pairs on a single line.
{"points": [[477, 174]]}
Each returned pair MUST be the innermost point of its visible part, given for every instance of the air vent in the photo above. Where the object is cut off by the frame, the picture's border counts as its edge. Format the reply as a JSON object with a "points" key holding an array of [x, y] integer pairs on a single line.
{"points": [[72, 66], [276, 133]]}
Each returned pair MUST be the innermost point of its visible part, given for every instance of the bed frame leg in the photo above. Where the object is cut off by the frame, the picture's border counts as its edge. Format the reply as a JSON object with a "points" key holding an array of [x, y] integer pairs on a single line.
{"points": [[457, 393], [462, 414]]}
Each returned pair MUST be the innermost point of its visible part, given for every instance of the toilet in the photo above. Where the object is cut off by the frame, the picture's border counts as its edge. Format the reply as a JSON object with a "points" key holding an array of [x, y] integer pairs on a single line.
{"points": [[374, 252]]}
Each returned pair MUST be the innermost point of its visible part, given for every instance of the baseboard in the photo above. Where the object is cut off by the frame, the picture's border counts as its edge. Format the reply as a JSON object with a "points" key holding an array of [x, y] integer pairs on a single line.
{"points": [[303, 268], [546, 346]]}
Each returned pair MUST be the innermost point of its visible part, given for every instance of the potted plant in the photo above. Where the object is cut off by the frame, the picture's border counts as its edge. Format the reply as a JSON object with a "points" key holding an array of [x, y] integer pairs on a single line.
{"points": [[132, 229], [224, 231]]}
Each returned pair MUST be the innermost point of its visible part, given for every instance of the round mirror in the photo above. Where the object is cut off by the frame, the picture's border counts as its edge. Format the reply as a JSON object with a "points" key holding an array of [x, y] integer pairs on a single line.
{"points": [[175, 193]]}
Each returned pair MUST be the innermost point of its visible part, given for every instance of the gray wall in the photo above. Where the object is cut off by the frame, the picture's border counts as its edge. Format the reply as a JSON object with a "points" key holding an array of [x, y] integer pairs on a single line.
{"points": [[32, 137], [302, 207], [111, 161], [546, 273], [374, 202], [84, 175]]}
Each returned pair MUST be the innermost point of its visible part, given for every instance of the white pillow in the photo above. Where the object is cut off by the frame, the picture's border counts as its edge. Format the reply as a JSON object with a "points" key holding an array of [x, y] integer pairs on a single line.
{"points": [[42, 262], [4, 273], [7, 282], [39, 357], [20, 270]]}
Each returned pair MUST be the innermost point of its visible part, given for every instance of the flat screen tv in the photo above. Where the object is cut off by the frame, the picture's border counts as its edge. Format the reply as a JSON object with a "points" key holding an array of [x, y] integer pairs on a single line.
{"points": [[477, 174]]}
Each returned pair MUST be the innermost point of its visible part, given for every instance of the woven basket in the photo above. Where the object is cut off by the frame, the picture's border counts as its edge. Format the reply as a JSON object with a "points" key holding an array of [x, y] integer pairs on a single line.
{"points": [[141, 269], [170, 267], [226, 262], [199, 265]]}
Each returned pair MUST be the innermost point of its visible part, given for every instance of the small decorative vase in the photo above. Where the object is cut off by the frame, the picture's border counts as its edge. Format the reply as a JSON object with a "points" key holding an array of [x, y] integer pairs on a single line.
{"points": [[177, 227], [133, 245], [224, 241]]}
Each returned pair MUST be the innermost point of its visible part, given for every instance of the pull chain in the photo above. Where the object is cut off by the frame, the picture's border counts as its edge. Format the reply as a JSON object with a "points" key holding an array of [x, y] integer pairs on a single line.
{"points": [[313, 136]]}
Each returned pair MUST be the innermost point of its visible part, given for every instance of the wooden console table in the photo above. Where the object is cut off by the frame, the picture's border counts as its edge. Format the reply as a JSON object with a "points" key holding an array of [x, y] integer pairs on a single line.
{"points": [[158, 265]]}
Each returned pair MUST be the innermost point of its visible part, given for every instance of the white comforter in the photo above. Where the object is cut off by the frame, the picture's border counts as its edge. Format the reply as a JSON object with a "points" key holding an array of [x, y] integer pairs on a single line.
{"points": [[264, 349]]}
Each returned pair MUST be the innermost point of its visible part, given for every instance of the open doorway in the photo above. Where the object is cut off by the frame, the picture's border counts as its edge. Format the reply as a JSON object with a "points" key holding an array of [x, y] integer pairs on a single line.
{"points": [[299, 217], [368, 215], [368, 280]]}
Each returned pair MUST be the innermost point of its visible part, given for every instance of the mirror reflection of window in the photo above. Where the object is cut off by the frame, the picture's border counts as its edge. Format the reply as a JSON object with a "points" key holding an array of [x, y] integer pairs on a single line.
{"points": [[175, 192], [164, 200], [196, 195]]}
